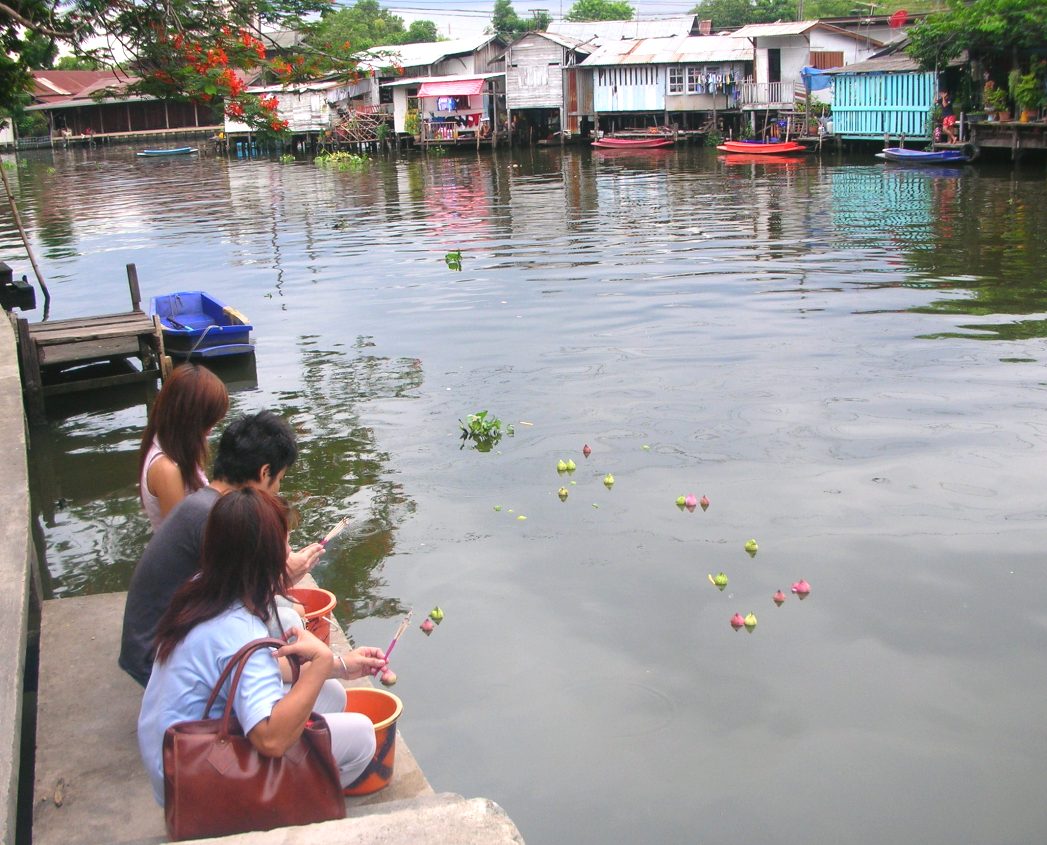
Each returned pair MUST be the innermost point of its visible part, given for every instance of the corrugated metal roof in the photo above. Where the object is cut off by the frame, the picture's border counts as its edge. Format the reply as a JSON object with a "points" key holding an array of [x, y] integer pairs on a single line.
{"points": [[419, 55], [695, 49], [894, 63], [771, 30], [602, 32]]}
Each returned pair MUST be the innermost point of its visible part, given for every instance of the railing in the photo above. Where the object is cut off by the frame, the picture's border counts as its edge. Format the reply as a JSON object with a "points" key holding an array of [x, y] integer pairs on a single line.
{"points": [[765, 93]]}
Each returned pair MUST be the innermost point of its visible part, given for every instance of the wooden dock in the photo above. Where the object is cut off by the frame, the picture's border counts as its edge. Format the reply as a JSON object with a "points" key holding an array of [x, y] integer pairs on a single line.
{"points": [[55, 355]]}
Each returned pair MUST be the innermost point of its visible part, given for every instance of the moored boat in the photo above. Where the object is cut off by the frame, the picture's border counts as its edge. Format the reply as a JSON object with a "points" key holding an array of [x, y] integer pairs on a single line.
{"points": [[198, 325], [904, 156], [170, 151], [761, 147], [655, 142]]}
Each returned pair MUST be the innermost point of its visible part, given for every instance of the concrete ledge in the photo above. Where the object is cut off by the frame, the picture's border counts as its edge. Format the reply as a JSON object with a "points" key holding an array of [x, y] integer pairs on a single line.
{"points": [[16, 561], [90, 785]]}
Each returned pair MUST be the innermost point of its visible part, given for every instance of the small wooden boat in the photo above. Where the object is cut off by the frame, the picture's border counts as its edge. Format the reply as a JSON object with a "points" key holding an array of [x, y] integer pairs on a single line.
{"points": [[656, 142], [904, 156], [761, 147], [171, 151], [198, 325]]}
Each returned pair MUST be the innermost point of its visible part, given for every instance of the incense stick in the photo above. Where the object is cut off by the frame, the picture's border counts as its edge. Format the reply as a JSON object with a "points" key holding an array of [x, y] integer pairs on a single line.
{"points": [[396, 636], [334, 532]]}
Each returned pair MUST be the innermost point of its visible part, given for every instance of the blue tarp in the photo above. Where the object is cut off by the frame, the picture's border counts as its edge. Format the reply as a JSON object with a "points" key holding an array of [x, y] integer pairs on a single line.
{"points": [[815, 79]]}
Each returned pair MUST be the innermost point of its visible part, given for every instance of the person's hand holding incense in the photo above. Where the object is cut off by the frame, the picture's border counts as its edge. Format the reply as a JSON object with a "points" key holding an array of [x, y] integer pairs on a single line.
{"points": [[360, 662], [301, 563]]}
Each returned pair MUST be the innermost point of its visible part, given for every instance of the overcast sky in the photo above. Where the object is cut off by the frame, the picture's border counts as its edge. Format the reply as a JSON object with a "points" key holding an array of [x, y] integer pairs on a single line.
{"points": [[469, 18]]}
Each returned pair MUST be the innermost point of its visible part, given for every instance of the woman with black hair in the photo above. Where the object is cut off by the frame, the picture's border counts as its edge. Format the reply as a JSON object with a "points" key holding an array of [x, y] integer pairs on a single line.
{"points": [[228, 604]]}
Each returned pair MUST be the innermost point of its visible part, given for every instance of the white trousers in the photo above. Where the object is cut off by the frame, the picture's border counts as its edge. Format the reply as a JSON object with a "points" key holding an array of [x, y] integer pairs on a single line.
{"points": [[352, 734]]}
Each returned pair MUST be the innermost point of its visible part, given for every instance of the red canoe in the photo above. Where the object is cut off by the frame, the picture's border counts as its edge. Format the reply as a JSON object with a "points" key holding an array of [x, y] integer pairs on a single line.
{"points": [[632, 143], [761, 148]]}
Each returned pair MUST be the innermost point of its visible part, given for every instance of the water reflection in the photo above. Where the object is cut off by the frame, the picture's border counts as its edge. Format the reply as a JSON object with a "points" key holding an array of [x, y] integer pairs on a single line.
{"points": [[793, 340]]}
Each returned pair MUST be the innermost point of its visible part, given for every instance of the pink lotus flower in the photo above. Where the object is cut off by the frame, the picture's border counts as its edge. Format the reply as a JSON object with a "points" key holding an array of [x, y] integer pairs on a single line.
{"points": [[690, 502], [704, 502], [737, 621], [587, 450], [778, 598], [427, 626], [388, 677], [802, 589]]}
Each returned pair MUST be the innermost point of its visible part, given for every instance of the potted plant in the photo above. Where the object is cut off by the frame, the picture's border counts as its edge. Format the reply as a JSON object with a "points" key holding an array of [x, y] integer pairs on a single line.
{"points": [[1028, 94], [994, 100]]}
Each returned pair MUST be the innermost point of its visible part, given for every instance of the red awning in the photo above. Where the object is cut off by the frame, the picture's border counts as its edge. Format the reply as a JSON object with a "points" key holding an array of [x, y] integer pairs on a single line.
{"points": [[451, 88]]}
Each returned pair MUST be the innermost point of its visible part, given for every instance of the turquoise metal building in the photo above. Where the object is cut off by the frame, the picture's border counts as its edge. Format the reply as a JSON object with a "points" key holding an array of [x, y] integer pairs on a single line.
{"points": [[882, 96]]}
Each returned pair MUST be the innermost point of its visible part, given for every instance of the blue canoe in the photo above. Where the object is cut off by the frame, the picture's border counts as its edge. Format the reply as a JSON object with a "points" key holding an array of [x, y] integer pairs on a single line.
{"points": [[171, 151], [904, 156], [198, 325]]}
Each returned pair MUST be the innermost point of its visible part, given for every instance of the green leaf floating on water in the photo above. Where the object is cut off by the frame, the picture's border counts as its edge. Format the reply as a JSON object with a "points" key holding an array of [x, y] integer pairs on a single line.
{"points": [[454, 260]]}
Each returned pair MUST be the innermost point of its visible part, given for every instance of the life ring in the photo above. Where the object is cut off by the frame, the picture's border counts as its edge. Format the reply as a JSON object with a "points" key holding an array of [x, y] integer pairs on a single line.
{"points": [[970, 151]]}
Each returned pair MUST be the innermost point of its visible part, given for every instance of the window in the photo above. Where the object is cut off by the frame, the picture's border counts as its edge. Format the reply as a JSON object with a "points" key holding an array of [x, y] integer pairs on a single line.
{"points": [[826, 59], [694, 81], [676, 79]]}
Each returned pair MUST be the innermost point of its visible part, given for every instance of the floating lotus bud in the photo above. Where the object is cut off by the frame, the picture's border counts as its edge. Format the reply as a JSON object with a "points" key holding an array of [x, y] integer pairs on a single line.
{"points": [[802, 589], [388, 678], [704, 502], [608, 481], [436, 615], [561, 465], [750, 622], [778, 598], [719, 581], [751, 548], [427, 626], [587, 450], [571, 465], [690, 502], [681, 501], [562, 493], [737, 621]]}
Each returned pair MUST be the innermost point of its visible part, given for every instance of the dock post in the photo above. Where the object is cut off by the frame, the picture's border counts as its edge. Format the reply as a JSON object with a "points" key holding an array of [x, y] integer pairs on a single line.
{"points": [[132, 283], [32, 381]]}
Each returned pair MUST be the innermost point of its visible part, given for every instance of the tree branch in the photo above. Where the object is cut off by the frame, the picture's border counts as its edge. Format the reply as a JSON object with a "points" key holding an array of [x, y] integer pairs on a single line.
{"points": [[35, 26]]}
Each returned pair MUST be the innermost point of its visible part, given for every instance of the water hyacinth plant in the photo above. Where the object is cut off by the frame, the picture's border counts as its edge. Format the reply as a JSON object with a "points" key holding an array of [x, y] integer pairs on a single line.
{"points": [[340, 160], [483, 430]]}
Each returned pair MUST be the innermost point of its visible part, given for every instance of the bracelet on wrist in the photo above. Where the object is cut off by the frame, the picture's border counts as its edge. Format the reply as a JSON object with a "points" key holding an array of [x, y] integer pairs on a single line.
{"points": [[345, 669]]}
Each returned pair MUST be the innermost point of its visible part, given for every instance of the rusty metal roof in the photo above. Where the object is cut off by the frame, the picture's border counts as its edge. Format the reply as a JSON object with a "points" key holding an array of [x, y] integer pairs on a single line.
{"points": [[694, 49], [771, 30], [603, 32]]}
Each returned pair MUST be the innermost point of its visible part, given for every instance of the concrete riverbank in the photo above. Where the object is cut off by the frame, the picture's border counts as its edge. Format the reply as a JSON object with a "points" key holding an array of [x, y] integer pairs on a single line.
{"points": [[90, 787]]}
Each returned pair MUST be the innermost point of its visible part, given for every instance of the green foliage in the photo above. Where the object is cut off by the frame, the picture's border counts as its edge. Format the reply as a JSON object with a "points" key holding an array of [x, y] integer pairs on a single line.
{"points": [[286, 158], [600, 10], [726, 14], [411, 124], [991, 29], [510, 26], [713, 139], [1027, 91], [364, 25], [341, 160], [77, 63], [993, 97], [483, 431]]}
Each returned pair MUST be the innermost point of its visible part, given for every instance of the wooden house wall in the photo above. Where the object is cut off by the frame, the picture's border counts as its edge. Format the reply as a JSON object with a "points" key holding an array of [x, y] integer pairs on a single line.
{"points": [[624, 88], [138, 116], [871, 105], [534, 74]]}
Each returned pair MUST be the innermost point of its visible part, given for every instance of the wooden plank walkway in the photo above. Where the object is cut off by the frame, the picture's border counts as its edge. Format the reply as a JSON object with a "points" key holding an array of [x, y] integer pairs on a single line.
{"points": [[49, 352]]}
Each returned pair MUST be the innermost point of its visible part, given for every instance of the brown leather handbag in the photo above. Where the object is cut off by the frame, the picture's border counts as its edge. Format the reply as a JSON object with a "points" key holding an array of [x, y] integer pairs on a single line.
{"points": [[216, 783]]}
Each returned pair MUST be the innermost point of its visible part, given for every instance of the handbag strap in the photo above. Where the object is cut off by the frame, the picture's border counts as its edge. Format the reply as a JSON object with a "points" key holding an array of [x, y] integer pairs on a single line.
{"points": [[237, 662]]}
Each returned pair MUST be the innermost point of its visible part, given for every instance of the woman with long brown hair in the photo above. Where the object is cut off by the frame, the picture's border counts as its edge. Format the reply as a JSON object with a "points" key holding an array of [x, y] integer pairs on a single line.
{"points": [[174, 452], [228, 604]]}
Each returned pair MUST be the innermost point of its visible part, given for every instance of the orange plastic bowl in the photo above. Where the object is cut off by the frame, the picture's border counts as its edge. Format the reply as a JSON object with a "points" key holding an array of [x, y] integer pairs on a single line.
{"points": [[319, 605], [383, 709]]}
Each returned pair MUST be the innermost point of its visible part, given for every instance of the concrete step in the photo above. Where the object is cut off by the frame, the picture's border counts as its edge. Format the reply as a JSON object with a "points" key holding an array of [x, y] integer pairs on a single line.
{"points": [[91, 788]]}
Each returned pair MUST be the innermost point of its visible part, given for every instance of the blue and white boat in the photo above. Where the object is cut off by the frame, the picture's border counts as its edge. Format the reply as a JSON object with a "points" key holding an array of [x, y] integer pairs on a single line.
{"points": [[903, 156], [170, 151], [198, 325]]}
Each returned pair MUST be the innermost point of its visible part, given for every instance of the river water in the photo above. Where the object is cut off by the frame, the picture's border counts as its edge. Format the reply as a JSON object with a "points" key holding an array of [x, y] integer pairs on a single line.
{"points": [[847, 359]]}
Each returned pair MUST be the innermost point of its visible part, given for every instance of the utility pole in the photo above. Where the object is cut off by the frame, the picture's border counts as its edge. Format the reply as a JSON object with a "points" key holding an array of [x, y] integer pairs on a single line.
{"points": [[537, 12]]}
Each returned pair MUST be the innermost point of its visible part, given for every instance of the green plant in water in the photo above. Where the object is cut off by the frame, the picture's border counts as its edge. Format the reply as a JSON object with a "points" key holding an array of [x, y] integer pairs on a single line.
{"points": [[713, 139], [340, 161], [454, 260], [382, 132], [483, 430], [286, 158]]}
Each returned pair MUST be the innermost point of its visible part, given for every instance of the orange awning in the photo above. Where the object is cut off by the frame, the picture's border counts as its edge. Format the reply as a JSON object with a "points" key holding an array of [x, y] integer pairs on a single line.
{"points": [[451, 88]]}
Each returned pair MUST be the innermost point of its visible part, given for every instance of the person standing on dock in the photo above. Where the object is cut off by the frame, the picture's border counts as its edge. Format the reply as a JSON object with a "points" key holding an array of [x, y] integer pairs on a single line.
{"points": [[253, 451], [174, 451]]}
